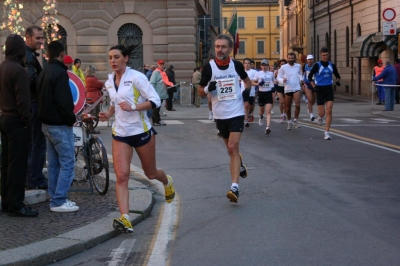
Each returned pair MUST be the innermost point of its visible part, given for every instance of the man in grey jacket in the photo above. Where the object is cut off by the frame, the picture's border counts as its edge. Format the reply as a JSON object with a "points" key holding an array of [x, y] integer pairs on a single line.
{"points": [[159, 80]]}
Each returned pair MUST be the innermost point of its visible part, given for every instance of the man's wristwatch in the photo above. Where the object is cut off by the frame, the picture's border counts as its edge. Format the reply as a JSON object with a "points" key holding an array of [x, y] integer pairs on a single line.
{"points": [[133, 106]]}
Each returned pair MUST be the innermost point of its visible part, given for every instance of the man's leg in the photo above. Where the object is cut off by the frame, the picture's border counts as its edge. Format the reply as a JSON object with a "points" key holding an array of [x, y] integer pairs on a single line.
{"points": [[37, 152], [296, 98], [329, 106], [387, 98], [288, 106], [392, 97], [232, 145]]}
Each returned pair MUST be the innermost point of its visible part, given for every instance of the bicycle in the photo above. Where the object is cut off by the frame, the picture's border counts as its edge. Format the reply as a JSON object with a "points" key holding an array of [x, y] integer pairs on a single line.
{"points": [[91, 158]]}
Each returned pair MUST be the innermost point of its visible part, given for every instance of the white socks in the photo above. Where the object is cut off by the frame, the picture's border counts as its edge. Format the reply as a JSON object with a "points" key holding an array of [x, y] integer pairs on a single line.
{"points": [[235, 185], [126, 216]]}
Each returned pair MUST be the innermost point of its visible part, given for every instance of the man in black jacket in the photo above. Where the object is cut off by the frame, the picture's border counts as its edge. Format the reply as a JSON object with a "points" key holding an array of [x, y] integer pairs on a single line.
{"points": [[37, 155], [15, 126], [56, 111]]}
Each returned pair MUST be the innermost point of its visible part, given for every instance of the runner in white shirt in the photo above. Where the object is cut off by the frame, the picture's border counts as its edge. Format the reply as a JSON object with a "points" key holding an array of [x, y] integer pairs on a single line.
{"points": [[248, 95], [280, 90], [291, 75], [265, 81], [131, 94], [222, 76]]}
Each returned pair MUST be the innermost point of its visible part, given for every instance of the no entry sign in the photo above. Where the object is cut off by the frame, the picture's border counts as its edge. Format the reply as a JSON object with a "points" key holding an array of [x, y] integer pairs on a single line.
{"points": [[78, 91]]}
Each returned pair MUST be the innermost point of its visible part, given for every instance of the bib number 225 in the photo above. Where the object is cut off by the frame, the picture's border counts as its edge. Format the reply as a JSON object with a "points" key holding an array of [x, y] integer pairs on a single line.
{"points": [[226, 90]]}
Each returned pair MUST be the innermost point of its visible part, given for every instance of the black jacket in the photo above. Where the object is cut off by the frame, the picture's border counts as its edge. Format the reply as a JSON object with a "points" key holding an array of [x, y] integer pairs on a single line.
{"points": [[34, 68], [56, 105], [14, 81]]}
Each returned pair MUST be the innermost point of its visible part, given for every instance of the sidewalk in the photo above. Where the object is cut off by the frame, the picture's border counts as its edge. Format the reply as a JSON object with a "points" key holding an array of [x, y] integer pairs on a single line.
{"points": [[54, 236]]}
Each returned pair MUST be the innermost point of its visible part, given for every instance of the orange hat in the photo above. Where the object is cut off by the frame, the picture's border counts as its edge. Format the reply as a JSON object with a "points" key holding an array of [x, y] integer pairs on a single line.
{"points": [[68, 59], [380, 61], [160, 62]]}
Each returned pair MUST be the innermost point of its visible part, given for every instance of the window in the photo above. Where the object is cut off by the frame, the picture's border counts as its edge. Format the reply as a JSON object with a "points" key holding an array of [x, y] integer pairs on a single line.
{"points": [[242, 47], [277, 22], [260, 47], [278, 46], [260, 22], [225, 23], [241, 24]]}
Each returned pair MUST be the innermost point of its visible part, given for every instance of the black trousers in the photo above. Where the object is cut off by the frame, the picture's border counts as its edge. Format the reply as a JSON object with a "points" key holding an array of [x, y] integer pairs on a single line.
{"points": [[169, 100], [15, 140], [156, 114], [397, 98]]}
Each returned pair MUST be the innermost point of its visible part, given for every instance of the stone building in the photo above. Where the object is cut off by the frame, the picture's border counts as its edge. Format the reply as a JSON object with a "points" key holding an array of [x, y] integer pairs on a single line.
{"points": [[353, 31], [160, 29]]}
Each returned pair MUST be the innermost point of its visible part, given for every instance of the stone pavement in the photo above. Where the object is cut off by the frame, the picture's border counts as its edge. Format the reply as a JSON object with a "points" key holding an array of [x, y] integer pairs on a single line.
{"points": [[55, 236]]}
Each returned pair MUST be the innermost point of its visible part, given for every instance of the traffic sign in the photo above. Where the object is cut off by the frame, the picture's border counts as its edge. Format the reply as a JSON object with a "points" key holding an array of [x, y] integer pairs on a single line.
{"points": [[389, 14], [389, 27], [78, 91]]}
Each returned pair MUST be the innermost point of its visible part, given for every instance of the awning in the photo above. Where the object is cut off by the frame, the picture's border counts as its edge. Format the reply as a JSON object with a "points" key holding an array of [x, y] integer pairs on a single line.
{"points": [[389, 40], [364, 47]]}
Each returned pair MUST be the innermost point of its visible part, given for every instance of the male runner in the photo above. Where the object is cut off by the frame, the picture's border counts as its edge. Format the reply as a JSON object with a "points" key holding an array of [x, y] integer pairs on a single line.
{"points": [[290, 74], [309, 90], [248, 95], [322, 84], [265, 81], [223, 74], [280, 91]]}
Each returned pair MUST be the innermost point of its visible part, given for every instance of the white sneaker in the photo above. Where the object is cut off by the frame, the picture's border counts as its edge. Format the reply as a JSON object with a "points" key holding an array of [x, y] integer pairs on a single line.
{"points": [[71, 202], [327, 136], [289, 125], [296, 123], [210, 116], [282, 119], [272, 112], [312, 118], [319, 121], [260, 120], [66, 207]]}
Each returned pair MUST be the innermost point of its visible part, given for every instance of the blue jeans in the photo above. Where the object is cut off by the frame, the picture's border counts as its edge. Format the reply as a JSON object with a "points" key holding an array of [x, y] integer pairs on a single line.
{"points": [[61, 158], [37, 153], [390, 93], [381, 91]]}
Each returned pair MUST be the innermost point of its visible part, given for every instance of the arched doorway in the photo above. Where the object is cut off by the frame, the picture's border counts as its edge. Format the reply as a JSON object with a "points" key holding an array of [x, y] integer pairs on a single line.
{"points": [[130, 34], [62, 37]]}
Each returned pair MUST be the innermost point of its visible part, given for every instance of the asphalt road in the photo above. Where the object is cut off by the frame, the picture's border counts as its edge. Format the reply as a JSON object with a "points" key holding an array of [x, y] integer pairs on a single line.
{"points": [[306, 201]]}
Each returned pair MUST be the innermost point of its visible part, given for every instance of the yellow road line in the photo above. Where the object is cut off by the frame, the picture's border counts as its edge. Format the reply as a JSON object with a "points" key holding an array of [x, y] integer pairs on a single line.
{"points": [[377, 142]]}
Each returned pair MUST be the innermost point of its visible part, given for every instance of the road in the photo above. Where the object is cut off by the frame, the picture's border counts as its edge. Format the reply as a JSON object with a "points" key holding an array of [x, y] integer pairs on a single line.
{"points": [[306, 201]]}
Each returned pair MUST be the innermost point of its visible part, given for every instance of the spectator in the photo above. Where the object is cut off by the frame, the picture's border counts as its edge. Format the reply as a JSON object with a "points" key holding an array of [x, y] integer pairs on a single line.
{"points": [[37, 150], [160, 81], [196, 81], [15, 123], [76, 68], [389, 77], [148, 74], [171, 77], [93, 93], [145, 69], [397, 67], [381, 91], [56, 110], [68, 62]]}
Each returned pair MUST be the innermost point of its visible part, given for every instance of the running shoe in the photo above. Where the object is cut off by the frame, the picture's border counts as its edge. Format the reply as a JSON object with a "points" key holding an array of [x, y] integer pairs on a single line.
{"points": [[122, 224], [246, 124], [296, 123], [233, 194], [282, 119], [312, 117], [267, 131], [210, 116], [327, 136], [272, 112], [289, 125], [260, 120], [243, 169], [169, 190], [319, 121], [252, 118]]}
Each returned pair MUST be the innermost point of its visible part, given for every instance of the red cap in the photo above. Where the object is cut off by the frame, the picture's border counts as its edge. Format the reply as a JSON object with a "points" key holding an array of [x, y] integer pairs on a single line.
{"points": [[160, 62], [380, 61], [68, 59]]}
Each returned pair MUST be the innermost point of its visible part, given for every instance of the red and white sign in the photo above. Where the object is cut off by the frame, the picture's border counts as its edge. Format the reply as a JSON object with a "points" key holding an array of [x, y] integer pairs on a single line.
{"points": [[389, 27], [78, 91], [389, 14]]}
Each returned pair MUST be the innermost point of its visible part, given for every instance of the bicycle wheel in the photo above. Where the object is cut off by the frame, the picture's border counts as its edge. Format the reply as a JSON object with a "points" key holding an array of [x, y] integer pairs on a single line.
{"points": [[99, 165], [81, 169]]}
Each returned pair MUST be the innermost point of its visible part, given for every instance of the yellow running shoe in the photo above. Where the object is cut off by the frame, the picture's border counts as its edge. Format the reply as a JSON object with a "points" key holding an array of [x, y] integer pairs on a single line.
{"points": [[169, 190], [122, 224]]}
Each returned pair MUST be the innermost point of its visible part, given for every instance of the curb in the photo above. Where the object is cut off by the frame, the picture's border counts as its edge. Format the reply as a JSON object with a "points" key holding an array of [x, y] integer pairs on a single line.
{"points": [[78, 240]]}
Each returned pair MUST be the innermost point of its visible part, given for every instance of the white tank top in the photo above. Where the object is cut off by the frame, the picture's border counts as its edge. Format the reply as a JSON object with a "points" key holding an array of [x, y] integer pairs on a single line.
{"points": [[227, 99]]}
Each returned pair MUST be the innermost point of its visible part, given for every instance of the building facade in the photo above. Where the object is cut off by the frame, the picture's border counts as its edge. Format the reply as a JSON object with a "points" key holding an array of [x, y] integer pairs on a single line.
{"points": [[353, 31], [159, 29], [258, 27]]}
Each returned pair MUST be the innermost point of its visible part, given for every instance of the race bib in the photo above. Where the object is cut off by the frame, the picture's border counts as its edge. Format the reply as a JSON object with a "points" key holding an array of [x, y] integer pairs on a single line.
{"points": [[226, 89]]}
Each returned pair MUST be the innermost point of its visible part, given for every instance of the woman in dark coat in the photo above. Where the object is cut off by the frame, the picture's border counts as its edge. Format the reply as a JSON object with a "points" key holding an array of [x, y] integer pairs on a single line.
{"points": [[171, 77]]}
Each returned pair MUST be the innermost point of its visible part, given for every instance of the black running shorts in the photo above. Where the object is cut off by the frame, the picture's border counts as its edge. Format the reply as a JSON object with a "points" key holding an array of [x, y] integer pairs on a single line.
{"points": [[137, 141], [247, 98], [264, 97], [280, 89], [226, 126], [324, 94]]}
